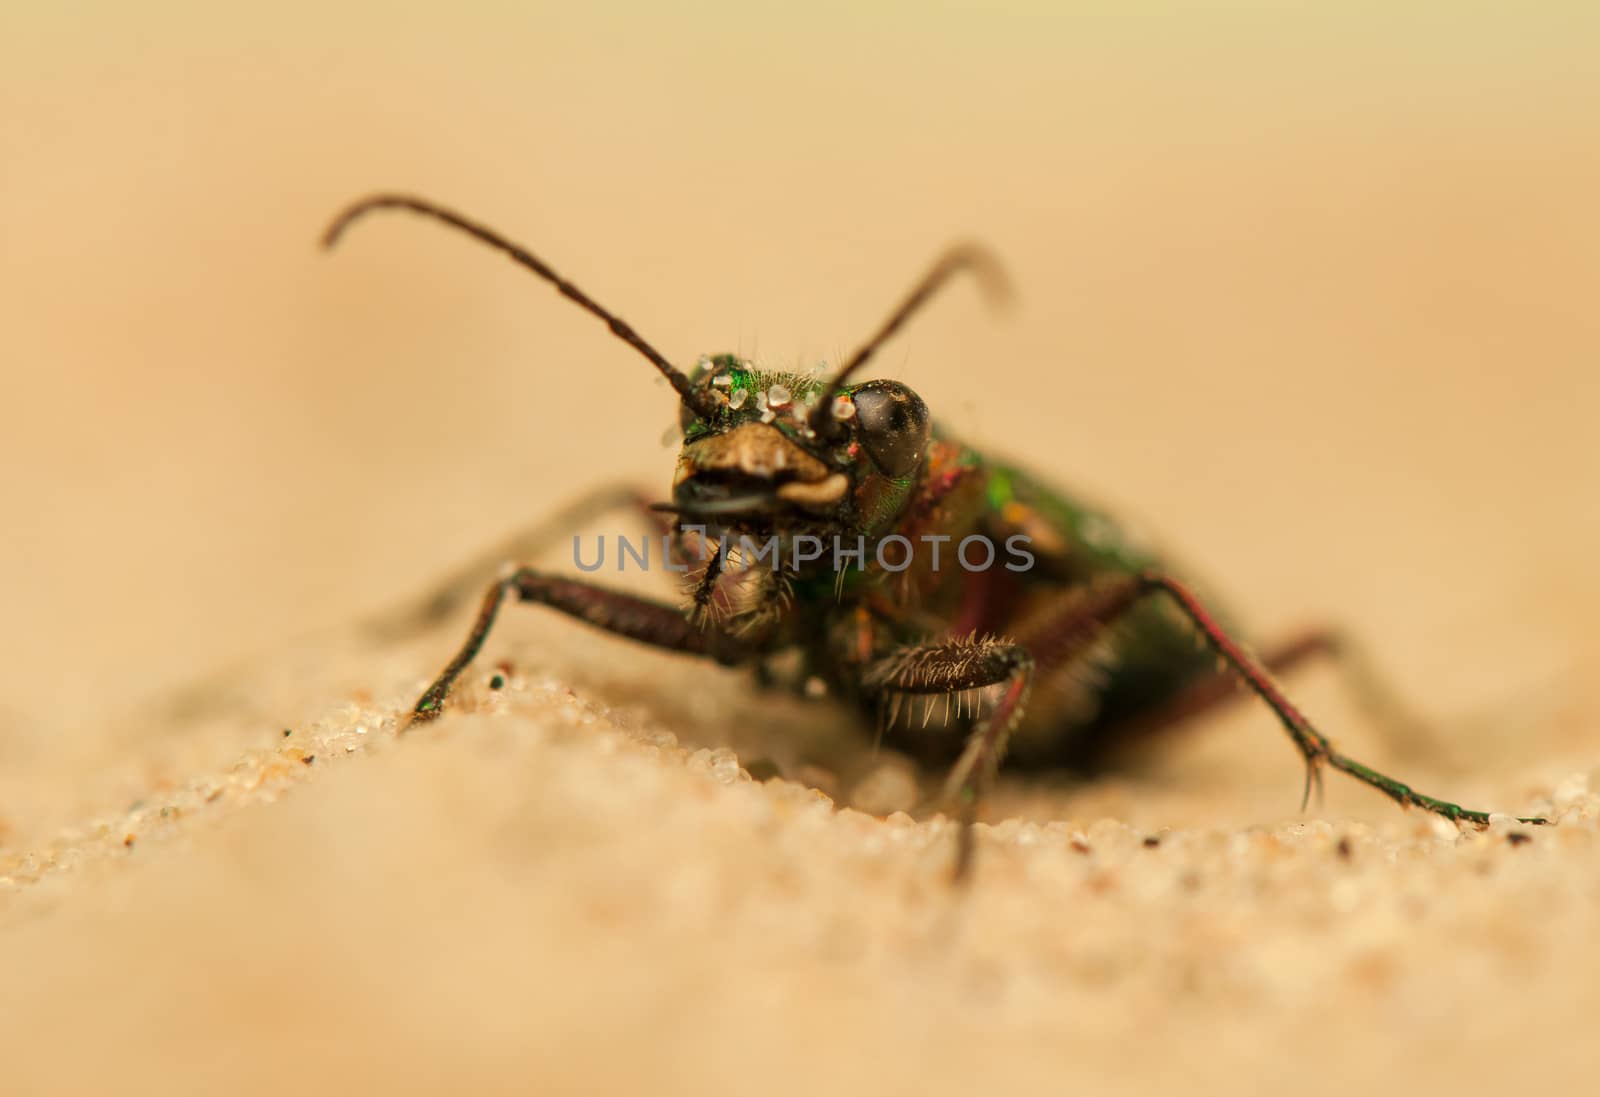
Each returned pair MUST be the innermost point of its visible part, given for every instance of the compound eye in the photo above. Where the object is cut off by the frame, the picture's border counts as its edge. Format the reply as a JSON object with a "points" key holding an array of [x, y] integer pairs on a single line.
{"points": [[892, 422]]}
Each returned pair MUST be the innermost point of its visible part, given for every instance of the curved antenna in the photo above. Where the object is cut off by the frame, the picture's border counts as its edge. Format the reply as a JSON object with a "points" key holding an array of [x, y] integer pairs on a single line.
{"points": [[972, 257], [700, 400]]}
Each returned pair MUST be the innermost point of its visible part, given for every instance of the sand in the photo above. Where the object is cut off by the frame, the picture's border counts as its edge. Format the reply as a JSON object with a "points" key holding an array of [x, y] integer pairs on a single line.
{"points": [[1307, 290], [571, 885]]}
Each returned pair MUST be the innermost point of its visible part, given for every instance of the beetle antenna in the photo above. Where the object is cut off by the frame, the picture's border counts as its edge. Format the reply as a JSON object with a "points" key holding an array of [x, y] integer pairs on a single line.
{"points": [[972, 257], [700, 401]]}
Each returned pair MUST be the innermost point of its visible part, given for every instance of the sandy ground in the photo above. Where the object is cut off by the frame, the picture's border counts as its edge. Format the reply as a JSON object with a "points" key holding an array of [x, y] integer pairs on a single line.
{"points": [[567, 886], [1308, 292]]}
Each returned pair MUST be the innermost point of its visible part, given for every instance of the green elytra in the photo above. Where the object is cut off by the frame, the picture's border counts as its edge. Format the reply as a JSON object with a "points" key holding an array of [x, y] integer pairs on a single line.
{"points": [[1052, 664]]}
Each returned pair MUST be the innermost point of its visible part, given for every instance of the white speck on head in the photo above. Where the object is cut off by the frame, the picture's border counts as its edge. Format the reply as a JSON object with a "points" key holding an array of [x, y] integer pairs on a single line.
{"points": [[844, 407], [737, 398], [761, 401], [722, 380], [778, 396], [768, 415]]}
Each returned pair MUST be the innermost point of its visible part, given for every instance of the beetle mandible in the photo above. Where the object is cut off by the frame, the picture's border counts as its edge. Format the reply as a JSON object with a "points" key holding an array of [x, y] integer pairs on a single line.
{"points": [[1053, 660]]}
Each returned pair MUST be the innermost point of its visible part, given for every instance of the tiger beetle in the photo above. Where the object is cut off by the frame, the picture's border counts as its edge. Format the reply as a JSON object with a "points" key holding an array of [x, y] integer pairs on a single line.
{"points": [[1053, 663]]}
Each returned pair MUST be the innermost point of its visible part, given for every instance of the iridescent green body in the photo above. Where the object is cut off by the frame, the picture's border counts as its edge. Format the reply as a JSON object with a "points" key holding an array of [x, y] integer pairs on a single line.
{"points": [[847, 620]]}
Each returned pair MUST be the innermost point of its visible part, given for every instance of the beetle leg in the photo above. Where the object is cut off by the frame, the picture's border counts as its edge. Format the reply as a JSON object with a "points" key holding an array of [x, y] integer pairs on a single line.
{"points": [[526, 544], [949, 665], [952, 665], [955, 666], [620, 614], [1372, 695], [1111, 598], [1313, 745]]}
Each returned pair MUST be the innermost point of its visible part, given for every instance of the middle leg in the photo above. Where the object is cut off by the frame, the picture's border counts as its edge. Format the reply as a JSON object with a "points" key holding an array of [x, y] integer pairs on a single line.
{"points": [[620, 614], [1314, 747], [1374, 697]]}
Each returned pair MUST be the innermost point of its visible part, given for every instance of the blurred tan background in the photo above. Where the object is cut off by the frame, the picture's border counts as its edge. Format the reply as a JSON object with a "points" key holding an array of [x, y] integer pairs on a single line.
{"points": [[1311, 291], [1308, 289]]}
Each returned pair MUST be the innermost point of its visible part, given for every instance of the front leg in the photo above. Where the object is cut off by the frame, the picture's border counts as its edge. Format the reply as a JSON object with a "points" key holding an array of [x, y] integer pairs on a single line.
{"points": [[652, 623], [951, 667]]}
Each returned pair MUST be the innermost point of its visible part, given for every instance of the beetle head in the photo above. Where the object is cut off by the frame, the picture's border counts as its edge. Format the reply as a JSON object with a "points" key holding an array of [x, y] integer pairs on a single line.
{"points": [[760, 464]]}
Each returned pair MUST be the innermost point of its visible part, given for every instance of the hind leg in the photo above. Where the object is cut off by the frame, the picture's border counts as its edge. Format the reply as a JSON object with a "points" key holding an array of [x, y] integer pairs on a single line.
{"points": [[462, 585]]}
